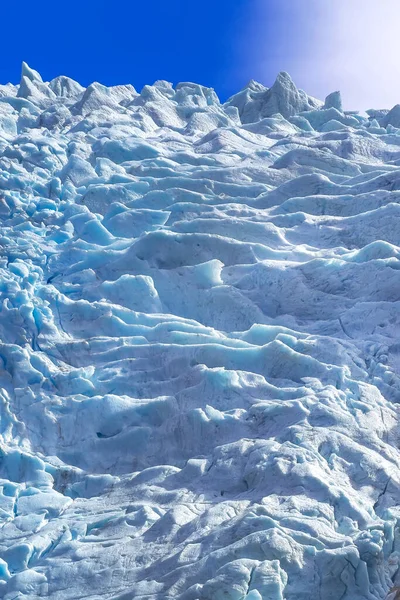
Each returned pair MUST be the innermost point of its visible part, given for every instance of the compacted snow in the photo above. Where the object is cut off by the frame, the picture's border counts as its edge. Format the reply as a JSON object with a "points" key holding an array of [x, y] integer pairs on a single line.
{"points": [[200, 354]]}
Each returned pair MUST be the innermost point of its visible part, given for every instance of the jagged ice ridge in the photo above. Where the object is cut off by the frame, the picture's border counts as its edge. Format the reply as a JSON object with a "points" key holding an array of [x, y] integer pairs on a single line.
{"points": [[199, 353]]}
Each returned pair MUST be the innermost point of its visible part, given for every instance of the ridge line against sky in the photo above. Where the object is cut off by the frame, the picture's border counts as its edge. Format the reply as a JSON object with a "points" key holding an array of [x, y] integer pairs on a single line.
{"points": [[325, 45]]}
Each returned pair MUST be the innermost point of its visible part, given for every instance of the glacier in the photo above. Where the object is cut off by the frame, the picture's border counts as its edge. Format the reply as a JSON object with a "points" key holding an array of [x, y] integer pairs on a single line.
{"points": [[199, 351]]}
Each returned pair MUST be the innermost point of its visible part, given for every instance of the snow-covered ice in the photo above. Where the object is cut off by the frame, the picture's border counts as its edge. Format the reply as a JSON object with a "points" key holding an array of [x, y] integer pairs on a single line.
{"points": [[199, 344]]}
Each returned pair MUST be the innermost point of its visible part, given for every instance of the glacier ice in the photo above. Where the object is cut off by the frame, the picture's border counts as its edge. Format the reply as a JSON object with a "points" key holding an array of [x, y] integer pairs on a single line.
{"points": [[199, 355], [257, 102], [334, 100]]}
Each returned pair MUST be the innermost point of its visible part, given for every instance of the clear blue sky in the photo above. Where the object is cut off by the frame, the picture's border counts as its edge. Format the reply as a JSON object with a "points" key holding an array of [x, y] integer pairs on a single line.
{"points": [[325, 44], [126, 41]]}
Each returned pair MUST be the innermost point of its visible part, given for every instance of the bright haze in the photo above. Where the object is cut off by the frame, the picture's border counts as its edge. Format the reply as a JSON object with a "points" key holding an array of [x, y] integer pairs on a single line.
{"points": [[351, 45]]}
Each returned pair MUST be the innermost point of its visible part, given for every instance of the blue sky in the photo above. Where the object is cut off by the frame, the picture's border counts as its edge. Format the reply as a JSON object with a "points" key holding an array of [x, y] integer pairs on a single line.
{"points": [[352, 45], [123, 41]]}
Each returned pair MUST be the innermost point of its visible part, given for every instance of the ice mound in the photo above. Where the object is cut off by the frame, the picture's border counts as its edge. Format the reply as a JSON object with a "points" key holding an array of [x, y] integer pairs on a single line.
{"points": [[199, 353]]}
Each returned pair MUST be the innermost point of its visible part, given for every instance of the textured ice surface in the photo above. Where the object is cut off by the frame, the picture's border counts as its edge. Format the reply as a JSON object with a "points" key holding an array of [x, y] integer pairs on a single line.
{"points": [[199, 344]]}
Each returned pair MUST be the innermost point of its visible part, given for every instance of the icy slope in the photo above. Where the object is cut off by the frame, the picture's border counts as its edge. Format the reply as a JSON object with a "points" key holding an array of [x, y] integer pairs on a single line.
{"points": [[200, 309]]}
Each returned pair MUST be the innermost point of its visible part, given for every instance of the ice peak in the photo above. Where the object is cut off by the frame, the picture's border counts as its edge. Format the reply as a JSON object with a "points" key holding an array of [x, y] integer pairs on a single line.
{"points": [[392, 117], [65, 87], [256, 102], [161, 83], [334, 100], [31, 74], [256, 86], [284, 97], [283, 78]]}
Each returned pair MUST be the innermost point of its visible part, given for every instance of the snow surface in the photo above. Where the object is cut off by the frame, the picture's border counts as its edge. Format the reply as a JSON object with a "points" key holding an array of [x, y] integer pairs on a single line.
{"points": [[200, 355]]}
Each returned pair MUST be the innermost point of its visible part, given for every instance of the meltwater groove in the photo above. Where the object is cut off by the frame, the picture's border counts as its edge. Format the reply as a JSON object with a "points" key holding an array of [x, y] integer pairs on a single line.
{"points": [[199, 344]]}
